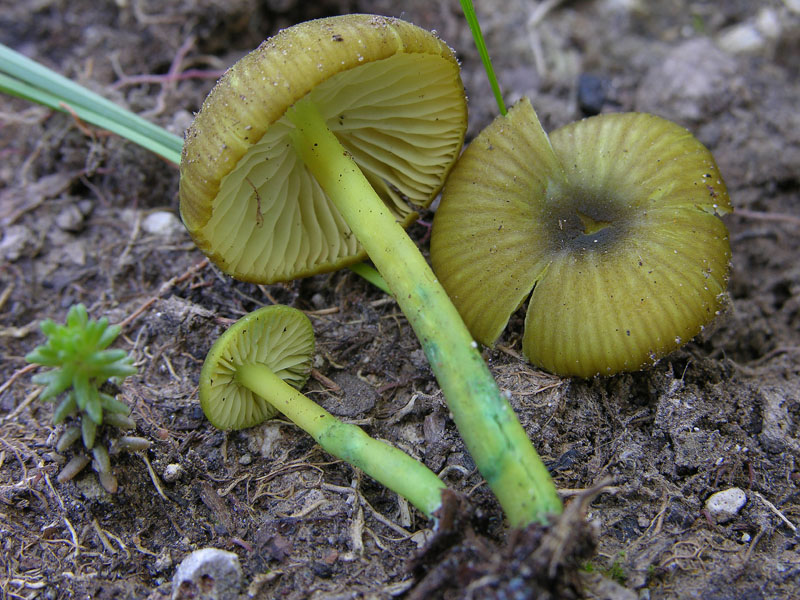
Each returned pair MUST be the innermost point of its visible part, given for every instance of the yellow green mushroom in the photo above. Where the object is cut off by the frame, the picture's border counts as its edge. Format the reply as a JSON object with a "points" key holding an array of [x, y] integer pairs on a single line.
{"points": [[609, 228], [312, 152], [255, 370]]}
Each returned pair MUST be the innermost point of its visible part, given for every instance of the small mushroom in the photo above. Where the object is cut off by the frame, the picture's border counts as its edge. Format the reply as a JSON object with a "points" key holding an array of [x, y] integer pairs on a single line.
{"points": [[315, 148], [255, 370], [611, 227]]}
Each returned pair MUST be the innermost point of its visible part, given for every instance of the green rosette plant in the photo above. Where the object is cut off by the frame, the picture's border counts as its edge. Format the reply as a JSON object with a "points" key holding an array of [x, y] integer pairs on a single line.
{"points": [[81, 363]]}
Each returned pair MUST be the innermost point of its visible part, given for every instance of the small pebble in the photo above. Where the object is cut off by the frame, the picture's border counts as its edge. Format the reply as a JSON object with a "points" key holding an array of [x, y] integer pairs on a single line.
{"points": [[162, 223], [754, 36], [694, 80], [725, 505], [70, 218], [172, 472], [207, 574], [318, 300], [245, 459], [744, 38], [422, 537], [16, 241], [592, 91]]}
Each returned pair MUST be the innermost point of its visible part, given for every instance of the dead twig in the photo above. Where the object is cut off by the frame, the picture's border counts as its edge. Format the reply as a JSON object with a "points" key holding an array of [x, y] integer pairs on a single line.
{"points": [[768, 216], [154, 477], [328, 383], [775, 510], [22, 405], [16, 375]]}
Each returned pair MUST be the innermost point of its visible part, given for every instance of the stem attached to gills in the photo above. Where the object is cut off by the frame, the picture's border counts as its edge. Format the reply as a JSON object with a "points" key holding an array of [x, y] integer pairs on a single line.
{"points": [[490, 429], [384, 463]]}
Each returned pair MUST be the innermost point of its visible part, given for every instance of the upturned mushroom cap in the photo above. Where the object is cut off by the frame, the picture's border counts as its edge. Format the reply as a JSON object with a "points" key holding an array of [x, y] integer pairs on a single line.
{"points": [[612, 228], [391, 93], [278, 337]]}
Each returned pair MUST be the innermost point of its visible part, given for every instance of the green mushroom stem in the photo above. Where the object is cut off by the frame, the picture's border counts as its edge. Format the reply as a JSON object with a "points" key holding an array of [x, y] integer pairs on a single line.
{"points": [[384, 463], [499, 445]]}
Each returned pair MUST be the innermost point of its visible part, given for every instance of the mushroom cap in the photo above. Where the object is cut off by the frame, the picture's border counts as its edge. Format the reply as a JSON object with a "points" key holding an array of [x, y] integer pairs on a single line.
{"points": [[391, 93], [612, 228], [278, 337]]}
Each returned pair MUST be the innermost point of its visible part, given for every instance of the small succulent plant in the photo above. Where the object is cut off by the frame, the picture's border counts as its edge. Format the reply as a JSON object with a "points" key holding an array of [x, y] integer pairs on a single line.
{"points": [[81, 365]]}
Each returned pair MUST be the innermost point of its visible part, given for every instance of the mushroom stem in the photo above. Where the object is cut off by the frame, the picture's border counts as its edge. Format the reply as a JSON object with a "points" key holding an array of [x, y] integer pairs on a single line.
{"points": [[497, 441], [384, 463]]}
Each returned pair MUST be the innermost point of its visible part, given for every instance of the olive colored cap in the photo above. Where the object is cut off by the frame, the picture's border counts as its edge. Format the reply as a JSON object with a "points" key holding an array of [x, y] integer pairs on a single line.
{"points": [[391, 93], [611, 226], [278, 337]]}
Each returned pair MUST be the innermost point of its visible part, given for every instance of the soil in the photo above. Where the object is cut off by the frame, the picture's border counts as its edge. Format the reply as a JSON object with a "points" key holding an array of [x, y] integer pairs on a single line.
{"points": [[722, 412]]}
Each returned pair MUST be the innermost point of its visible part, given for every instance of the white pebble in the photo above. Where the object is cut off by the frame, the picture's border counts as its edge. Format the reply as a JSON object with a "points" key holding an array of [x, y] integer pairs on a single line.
{"points": [[725, 505], [162, 223], [208, 573], [16, 241], [172, 472]]}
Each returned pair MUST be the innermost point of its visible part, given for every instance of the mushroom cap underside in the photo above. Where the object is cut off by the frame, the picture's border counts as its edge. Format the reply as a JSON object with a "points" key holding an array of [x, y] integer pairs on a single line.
{"points": [[279, 337], [391, 93], [611, 227]]}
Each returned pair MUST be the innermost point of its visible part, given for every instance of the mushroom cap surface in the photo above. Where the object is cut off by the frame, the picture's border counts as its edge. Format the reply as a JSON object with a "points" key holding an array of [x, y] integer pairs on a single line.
{"points": [[279, 337], [611, 228], [392, 94]]}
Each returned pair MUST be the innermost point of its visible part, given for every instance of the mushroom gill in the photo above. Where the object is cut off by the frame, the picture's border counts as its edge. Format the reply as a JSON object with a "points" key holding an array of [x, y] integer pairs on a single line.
{"points": [[610, 227]]}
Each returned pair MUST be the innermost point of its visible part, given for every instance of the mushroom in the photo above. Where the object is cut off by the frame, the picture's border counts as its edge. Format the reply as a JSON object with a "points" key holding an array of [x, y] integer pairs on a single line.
{"points": [[255, 370], [611, 226], [302, 159]]}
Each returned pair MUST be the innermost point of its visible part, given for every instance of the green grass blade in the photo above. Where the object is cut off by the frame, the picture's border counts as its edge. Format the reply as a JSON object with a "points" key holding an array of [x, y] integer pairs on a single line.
{"points": [[371, 275], [25, 78], [475, 28], [29, 71]]}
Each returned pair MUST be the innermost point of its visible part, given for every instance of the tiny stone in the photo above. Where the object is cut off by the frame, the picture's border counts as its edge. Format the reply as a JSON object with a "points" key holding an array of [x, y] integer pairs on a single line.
{"points": [[172, 472], [744, 38], [70, 218], [318, 300], [86, 207], [74, 252], [422, 537], [725, 505], [180, 122], [769, 23], [207, 574], [695, 79], [16, 240], [163, 561], [245, 459], [162, 223], [592, 91]]}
